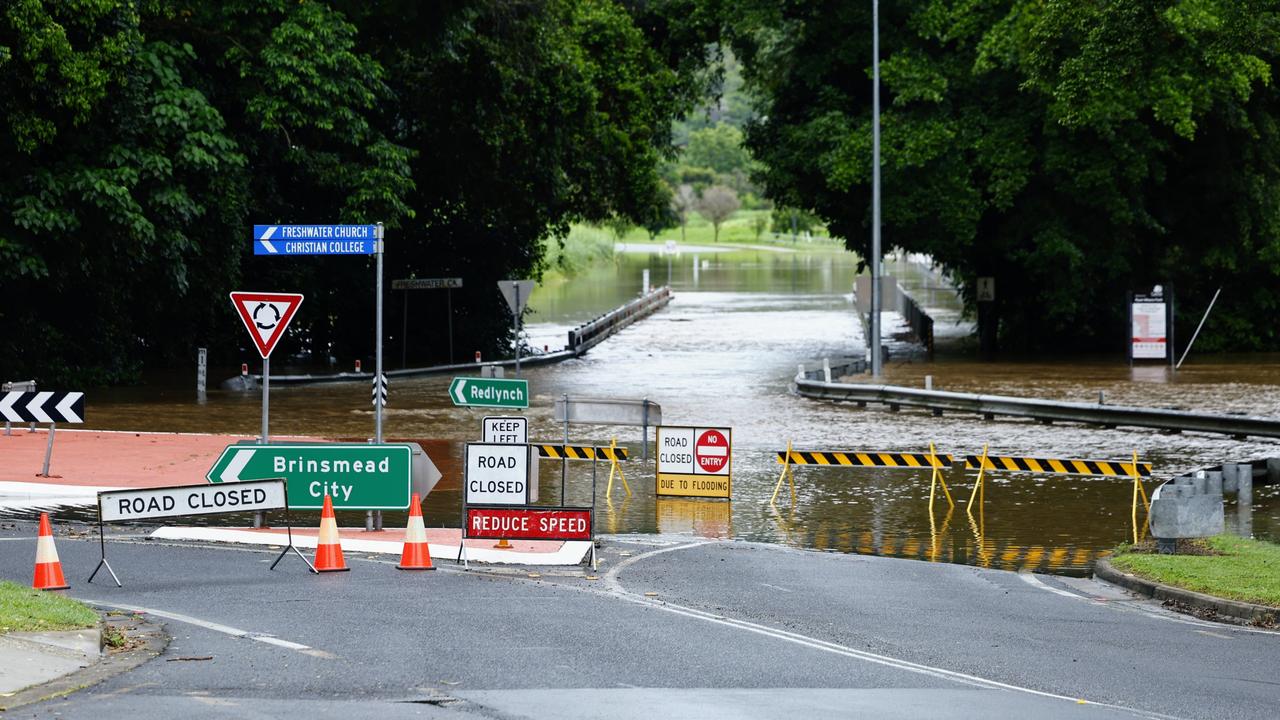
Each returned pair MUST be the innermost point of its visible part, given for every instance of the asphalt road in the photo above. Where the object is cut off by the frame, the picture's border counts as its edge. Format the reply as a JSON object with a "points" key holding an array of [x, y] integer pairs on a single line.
{"points": [[734, 630]]}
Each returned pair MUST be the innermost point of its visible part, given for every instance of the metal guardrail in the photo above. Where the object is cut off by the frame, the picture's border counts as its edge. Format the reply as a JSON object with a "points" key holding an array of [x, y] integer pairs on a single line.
{"points": [[917, 319], [592, 333], [990, 406]]}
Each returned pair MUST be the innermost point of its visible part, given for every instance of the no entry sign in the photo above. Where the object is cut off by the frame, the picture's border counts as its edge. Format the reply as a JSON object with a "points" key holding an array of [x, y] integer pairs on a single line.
{"points": [[528, 523], [695, 461]]}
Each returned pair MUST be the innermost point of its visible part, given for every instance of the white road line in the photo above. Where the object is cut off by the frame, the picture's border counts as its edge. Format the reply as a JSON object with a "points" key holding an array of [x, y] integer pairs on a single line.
{"points": [[207, 625], [611, 581], [1034, 581], [1136, 606]]}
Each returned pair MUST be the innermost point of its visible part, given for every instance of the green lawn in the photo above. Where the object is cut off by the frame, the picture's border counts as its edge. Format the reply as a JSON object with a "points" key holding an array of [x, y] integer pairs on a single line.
{"points": [[23, 609], [737, 230], [1246, 569]]}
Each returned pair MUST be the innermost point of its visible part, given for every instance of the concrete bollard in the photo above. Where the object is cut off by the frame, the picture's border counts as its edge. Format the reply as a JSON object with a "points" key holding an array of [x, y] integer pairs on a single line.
{"points": [[1244, 485], [826, 370], [1102, 397], [1213, 484], [928, 382], [1228, 481]]}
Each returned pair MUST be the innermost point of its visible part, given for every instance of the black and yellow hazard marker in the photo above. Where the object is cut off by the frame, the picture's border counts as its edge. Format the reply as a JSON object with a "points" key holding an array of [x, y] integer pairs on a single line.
{"points": [[1103, 468], [854, 458], [581, 452]]}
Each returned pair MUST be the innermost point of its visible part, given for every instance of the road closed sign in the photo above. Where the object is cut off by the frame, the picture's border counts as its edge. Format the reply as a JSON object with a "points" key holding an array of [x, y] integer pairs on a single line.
{"points": [[695, 461], [496, 475]]}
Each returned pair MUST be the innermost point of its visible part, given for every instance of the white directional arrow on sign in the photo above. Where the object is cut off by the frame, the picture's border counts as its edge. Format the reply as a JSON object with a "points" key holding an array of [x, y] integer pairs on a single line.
{"points": [[242, 458], [6, 407], [458, 393], [64, 407], [34, 407]]}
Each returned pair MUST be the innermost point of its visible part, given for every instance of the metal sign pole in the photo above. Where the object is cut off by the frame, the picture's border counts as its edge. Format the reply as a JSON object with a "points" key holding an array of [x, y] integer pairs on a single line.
{"points": [[875, 190], [102, 547], [266, 396], [48, 451], [404, 332], [377, 360], [516, 323], [448, 299]]}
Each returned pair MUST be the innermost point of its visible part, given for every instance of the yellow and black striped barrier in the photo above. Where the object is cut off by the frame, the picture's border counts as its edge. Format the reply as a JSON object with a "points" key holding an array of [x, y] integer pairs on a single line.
{"points": [[853, 458], [1104, 468], [581, 452]]}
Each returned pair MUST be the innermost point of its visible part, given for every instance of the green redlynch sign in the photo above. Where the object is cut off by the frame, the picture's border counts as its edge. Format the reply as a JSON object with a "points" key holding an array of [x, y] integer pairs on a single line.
{"points": [[357, 477], [489, 392]]}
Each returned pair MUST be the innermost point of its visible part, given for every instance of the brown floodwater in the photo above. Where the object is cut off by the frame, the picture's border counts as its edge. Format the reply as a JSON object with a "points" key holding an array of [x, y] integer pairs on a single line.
{"points": [[724, 353]]}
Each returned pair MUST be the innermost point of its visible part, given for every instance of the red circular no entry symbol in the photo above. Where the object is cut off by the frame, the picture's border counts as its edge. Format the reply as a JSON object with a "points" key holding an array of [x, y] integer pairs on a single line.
{"points": [[711, 452]]}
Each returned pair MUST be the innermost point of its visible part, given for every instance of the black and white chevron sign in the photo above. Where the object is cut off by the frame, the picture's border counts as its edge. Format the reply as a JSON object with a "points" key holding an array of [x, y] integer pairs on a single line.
{"points": [[380, 390], [43, 407]]}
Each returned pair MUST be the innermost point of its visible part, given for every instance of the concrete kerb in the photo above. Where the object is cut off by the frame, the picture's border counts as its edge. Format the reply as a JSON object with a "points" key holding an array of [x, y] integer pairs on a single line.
{"points": [[1237, 609], [147, 640]]}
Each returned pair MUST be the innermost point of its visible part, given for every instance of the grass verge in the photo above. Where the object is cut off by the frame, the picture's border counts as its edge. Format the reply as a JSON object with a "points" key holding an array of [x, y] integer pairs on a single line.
{"points": [[1232, 567], [23, 609]]}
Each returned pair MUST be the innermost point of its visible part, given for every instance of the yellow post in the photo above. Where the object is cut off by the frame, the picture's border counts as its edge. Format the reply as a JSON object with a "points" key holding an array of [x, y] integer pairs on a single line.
{"points": [[786, 474], [614, 466], [982, 469], [1146, 503], [1137, 486], [933, 460]]}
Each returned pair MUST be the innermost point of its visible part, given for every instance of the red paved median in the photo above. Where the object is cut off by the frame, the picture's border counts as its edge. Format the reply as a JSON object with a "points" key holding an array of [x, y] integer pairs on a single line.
{"points": [[112, 459]]}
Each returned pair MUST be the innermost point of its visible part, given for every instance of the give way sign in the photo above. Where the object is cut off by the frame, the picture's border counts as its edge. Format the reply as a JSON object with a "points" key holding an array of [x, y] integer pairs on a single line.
{"points": [[265, 316]]}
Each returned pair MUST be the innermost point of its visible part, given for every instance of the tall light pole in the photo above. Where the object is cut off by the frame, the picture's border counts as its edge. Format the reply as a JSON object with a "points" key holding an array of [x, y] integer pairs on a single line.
{"points": [[875, 188]]}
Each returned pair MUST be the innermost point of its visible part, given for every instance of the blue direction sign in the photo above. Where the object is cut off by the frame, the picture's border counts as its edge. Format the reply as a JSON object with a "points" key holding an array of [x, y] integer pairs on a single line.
{"points": [[315, 239]]}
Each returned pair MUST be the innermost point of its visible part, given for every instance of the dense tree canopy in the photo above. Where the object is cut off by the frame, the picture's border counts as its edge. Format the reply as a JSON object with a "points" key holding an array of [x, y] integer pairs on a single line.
{"points": [[1072, 150], [142, 139]]}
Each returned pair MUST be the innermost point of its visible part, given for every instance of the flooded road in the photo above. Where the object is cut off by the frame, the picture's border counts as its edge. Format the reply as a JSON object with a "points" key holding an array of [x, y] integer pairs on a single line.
{"points": [[724, 353]]}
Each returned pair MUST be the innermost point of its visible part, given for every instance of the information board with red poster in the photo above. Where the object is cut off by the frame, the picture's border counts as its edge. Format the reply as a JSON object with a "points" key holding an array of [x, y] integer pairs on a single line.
{"points": [[695, 461]]}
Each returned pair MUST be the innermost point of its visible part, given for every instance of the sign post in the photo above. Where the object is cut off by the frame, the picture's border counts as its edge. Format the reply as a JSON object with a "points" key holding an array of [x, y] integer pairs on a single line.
{"points": [[695, 461], [517, 294], [1151, 325], [182, 500], [447, 284], [265, 316], [331, 240]]}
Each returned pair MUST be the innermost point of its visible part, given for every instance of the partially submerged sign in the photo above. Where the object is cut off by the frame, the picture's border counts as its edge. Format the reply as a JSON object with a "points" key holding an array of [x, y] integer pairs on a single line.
{"points": [[1150, 320], [355, 476], [528, 523], [496, 474], [608, 411], [695, 461]]}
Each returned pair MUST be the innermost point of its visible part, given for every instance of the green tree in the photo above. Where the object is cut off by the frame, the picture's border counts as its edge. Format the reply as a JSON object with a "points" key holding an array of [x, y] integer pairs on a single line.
{"points": [[718, 147], [1071, 150], [717, 204]]}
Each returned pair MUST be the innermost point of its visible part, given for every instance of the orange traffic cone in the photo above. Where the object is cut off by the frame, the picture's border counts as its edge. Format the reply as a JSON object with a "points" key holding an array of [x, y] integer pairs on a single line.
{"points": [[329, 547], [48, 574], [416, 555]]}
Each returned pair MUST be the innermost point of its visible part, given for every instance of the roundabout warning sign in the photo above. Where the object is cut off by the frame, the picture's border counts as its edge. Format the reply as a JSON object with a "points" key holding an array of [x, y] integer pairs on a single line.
{"points": [[695, 462]]}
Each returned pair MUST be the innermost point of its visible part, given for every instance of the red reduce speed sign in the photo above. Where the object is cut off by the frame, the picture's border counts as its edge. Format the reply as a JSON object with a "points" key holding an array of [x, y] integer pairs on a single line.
{"points": [[711, 452]]}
